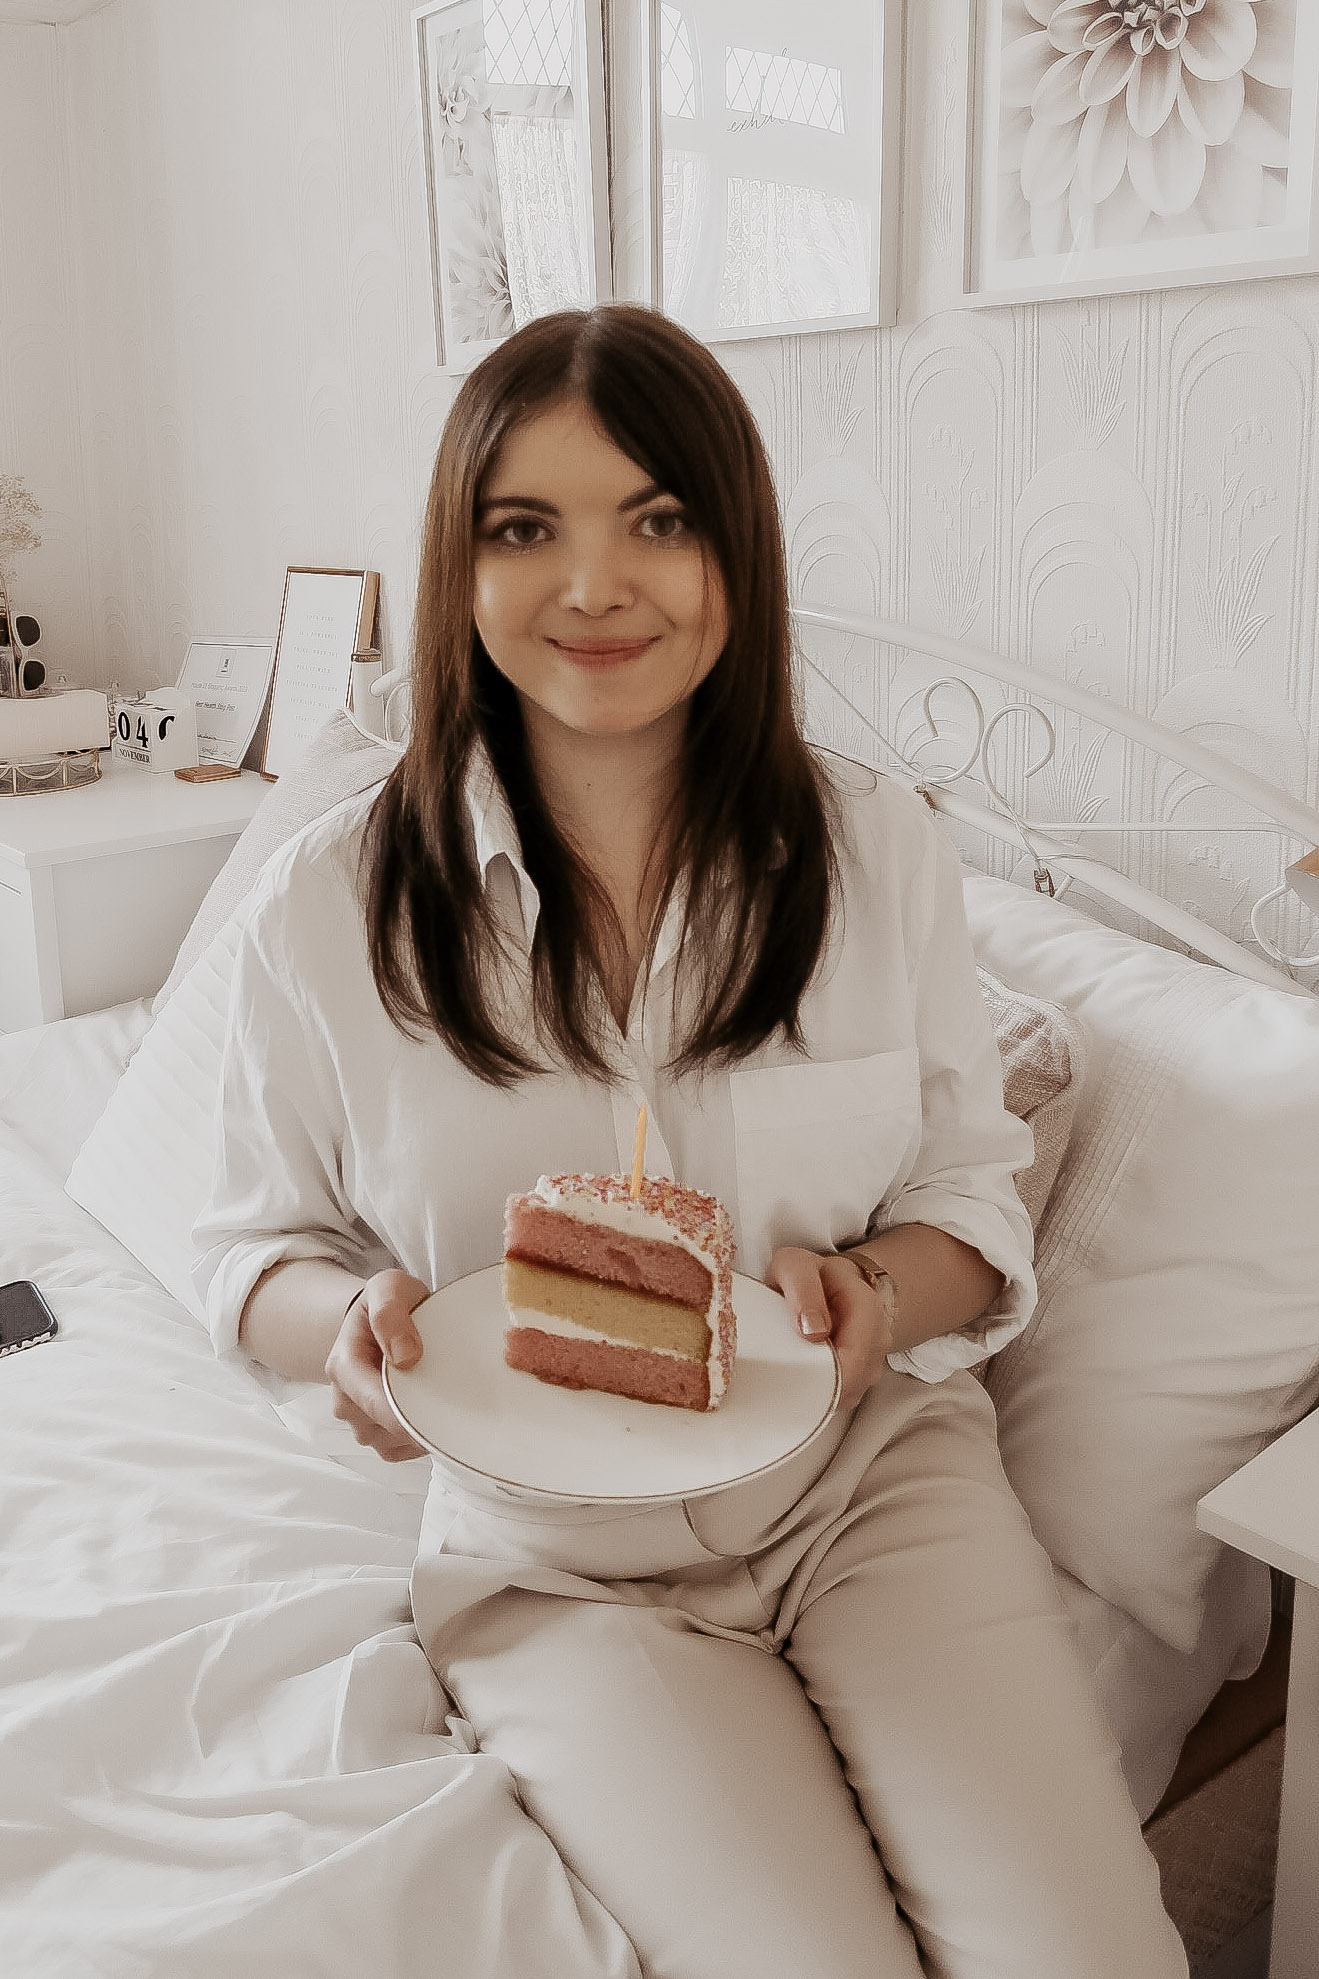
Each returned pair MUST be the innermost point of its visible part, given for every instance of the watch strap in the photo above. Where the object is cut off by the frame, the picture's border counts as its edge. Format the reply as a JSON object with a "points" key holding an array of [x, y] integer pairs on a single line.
{"points": [[877, 1277]]}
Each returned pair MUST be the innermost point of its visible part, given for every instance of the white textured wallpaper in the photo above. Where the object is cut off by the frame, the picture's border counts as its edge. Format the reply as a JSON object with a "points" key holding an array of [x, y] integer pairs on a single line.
{"points": [[41, 433], [220, 361], [255, 358]]}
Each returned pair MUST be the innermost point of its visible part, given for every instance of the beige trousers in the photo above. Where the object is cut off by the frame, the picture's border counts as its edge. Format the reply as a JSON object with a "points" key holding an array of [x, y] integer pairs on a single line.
{"points": [[831, 1724]]}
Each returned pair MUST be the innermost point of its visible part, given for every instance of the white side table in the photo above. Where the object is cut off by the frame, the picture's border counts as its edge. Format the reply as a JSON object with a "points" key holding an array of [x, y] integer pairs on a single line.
{"points": [[98, 885], [1271, 1509]]}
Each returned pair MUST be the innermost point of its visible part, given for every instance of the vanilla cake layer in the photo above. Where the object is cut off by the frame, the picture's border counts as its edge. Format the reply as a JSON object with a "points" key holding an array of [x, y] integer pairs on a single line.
{"points": [[638, 1318], [568, 1329]]}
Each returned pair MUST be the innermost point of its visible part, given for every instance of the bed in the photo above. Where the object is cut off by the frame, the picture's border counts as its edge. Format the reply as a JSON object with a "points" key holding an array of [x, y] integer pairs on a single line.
{"points": [[221, 1748]]}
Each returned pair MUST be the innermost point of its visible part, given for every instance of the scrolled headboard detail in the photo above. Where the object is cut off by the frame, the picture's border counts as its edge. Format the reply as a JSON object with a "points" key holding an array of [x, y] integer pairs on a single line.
{"points": [[954, 761]]}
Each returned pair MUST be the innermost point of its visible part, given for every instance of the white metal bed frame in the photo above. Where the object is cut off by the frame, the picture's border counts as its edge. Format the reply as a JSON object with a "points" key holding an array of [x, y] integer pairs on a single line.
{"points": [[1048, 843]]}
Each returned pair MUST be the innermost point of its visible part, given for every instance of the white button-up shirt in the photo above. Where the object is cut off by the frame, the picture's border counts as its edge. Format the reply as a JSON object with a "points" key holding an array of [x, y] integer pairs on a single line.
{"points": [[343, 1138]]}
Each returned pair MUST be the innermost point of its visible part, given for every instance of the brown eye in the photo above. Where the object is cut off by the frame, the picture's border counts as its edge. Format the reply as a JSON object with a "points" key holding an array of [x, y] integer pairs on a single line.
{"points": [[522, 532], [664, 525]]}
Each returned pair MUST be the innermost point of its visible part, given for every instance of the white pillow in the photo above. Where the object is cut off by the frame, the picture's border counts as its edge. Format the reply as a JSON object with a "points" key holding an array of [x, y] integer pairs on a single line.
{"points": [[55, 1079], [1178, 1256], [144, 1171]]}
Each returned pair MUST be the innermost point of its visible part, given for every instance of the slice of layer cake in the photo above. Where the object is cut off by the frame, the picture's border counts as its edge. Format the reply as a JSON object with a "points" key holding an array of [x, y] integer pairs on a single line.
{"points": [[633, 1295]]}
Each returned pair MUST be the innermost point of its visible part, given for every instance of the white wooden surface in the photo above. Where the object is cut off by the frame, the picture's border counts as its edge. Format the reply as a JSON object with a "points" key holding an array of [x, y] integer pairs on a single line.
{"points": [[98, 886], [1271, 1509]]}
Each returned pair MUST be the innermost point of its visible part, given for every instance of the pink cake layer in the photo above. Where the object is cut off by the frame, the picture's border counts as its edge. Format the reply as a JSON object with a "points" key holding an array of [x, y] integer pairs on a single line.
{"points": [[539, 1234], [630, 1371]]}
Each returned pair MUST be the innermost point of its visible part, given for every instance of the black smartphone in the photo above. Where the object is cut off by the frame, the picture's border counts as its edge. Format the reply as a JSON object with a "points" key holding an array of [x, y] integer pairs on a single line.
{"points": [[25, 1318]]}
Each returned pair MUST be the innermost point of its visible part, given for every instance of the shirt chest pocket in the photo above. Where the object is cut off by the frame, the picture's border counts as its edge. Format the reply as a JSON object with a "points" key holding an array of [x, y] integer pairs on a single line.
{"points": [[818, 1148]]}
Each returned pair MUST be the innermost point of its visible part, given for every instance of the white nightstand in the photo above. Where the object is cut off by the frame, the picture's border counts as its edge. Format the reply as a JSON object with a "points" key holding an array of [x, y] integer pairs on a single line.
{"points": [[1271, 1509], [98, 886]]}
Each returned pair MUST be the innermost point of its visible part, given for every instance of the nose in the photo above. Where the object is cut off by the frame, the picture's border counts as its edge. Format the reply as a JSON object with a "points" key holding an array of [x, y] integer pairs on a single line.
{"points": [[595, 581]]}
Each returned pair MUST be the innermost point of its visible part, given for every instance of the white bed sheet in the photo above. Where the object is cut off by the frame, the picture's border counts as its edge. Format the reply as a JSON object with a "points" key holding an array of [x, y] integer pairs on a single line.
{"points": [[221, 1747]]}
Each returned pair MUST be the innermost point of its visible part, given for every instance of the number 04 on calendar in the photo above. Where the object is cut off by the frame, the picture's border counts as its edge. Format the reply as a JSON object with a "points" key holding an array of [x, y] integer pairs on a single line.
{"points": [[159, 732]]}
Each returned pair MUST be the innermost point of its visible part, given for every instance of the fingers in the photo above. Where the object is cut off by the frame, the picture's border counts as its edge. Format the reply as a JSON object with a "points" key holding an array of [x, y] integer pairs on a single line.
{"points": [[391, 1298], [389, 1440], [797, 1275], [829, 1300], [377, 1325]]}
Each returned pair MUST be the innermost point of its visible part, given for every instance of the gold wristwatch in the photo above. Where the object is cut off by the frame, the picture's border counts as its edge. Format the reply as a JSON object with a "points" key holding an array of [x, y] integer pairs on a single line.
{"points": [[877, 1278]]}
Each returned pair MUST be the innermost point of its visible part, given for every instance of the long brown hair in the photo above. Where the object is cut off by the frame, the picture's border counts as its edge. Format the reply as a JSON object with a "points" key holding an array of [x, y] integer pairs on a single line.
{"points": [[751, 828]]}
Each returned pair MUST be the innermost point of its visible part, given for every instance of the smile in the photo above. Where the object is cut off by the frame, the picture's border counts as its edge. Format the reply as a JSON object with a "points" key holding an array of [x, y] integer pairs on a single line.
{"points": [[601, 652]]}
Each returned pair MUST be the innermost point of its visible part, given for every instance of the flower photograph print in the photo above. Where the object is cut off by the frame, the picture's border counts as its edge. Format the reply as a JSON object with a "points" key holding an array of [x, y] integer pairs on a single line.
{"points": [[1141, 145], [512, 97]]}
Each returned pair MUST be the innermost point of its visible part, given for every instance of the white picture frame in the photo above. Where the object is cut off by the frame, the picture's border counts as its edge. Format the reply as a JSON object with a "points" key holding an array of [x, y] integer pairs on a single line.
{"points": [[773, 144], [228, 681], [1053, 212], [512, 106], [327, 616]]}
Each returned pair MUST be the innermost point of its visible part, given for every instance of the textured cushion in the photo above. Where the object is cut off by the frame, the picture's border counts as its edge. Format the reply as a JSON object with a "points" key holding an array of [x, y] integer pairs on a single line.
{"points": [[1043, 1053], [339, 762], [1177, 1330]]}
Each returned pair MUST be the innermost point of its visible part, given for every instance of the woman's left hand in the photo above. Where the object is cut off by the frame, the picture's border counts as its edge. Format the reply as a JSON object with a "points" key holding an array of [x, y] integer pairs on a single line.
{"points": [[830, 1300]]}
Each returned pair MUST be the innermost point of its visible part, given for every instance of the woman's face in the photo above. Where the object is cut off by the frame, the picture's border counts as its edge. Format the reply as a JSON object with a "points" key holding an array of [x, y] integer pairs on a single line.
{"points": [[593, 597]]}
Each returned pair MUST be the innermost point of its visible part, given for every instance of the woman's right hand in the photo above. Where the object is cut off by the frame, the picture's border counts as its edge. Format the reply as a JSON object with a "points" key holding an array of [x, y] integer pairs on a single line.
{"points": [[378, 1323]]}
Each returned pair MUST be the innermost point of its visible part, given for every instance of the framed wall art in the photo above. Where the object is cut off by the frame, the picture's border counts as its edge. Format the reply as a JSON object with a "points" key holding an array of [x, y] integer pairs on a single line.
{"points": [[773, 140], [1138, 147], [513, 138]]}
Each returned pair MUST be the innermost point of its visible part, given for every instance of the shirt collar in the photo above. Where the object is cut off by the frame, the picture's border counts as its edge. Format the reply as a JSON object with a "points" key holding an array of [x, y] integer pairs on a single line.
{"points": [[496, 834], [491, 815]]}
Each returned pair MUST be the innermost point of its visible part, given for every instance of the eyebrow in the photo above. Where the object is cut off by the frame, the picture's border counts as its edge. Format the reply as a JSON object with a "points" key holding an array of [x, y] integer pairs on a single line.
{"points": [[538, 507], [516, 501]]}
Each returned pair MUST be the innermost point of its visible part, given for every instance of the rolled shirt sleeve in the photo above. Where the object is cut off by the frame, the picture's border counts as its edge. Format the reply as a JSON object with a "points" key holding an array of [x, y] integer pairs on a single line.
{"points": [[971, 1146], [277, 1191]]}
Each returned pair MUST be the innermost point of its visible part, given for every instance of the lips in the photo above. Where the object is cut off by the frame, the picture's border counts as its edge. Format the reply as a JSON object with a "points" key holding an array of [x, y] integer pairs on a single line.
{"points": [[601, 652]]}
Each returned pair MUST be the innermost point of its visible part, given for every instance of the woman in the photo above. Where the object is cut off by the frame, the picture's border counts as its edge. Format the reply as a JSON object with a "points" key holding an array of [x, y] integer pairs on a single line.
{"points": [[830, 1722]]}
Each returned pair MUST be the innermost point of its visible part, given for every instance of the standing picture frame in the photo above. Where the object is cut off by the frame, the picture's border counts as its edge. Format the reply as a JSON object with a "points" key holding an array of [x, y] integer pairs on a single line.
{"points": [[1111, 151], [512, 102], [773, 140], [228, 681], [327, 616]]}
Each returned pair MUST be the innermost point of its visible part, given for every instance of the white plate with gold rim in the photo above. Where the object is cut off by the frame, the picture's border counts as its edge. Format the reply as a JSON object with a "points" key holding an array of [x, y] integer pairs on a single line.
{"points": [[474, 1412]]}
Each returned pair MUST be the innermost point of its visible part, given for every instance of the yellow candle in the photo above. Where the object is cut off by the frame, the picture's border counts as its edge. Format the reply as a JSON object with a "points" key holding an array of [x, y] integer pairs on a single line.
{"points": [[639, 1153]]}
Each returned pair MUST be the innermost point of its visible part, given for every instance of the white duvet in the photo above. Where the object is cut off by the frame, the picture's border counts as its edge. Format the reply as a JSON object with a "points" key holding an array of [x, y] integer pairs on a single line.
{"points": [[222, 1751], [221, 1748]]}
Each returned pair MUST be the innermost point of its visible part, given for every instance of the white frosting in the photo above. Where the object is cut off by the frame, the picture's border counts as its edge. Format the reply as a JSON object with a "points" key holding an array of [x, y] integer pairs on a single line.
{"points": [[630, 1216], [568, 1329], [637, 1221]]}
